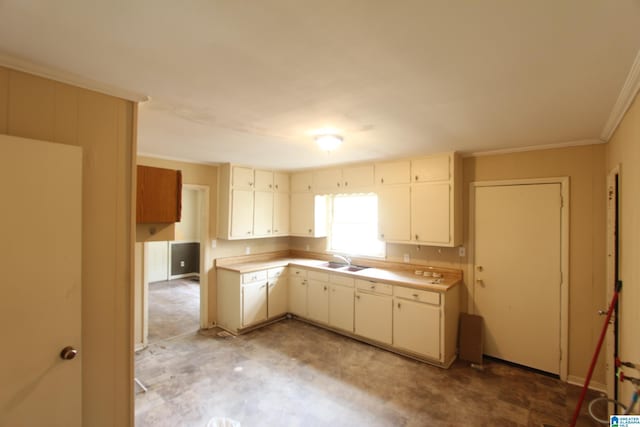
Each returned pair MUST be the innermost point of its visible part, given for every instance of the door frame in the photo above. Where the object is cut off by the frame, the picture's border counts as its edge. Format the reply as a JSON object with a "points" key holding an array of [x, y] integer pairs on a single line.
{"points": [[205, 256], [613, 202], [564, 254]]}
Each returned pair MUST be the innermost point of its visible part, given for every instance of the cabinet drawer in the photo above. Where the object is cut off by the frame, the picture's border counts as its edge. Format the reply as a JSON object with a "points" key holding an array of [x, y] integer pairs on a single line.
{"points": [[417, 295], [371, 286], [342, 280], [272, 273], [254, 276], [318, 275], [297, 272]]}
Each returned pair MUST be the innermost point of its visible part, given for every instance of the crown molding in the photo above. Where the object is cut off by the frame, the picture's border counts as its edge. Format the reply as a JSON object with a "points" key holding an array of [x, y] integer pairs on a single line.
{"points": [[625, 98], [21, 64], [177, 159], [534, 148]]}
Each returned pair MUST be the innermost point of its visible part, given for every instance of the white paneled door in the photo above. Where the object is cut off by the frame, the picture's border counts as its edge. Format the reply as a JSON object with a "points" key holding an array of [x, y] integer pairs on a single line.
{"points": [[40, 256], [517, 272]]}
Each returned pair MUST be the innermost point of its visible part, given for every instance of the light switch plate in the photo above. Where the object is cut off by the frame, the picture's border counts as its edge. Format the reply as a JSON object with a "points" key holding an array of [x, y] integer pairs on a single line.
{"points": [[462, 251], [247, 250], [406, 258]]}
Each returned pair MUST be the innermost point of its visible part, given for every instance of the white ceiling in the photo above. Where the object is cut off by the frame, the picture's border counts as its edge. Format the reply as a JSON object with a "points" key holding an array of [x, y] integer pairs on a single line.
{"points": [[249, 81]]}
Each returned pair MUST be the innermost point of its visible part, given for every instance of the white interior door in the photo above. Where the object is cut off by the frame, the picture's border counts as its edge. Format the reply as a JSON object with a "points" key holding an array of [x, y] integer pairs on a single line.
{"points": [[40, 255], [518, 272]]}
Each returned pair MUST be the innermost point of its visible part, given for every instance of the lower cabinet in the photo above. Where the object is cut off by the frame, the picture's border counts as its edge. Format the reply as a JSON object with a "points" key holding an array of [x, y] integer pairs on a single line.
{"points": [[341, 307], [254, 303], [277, 298], [418, 322], [318, 301], [373, 316], [298, 292], [416, 327]]}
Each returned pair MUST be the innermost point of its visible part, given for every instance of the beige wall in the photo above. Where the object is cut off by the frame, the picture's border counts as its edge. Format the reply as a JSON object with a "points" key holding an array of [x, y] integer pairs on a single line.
{"points": [[104, 127], [585, 166], [624, 150], [188, 229]]}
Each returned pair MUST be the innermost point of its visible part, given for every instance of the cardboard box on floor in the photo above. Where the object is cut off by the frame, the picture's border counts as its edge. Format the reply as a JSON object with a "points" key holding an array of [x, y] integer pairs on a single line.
{"points": [[471, 338]]}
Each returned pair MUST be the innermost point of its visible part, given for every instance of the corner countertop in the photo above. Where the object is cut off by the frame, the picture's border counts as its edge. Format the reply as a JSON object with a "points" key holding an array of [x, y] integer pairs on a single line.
{"points": [[391, 276]]}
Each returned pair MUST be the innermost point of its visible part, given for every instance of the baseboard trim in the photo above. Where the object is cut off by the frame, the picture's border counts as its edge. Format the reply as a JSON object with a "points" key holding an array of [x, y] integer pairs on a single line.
{"points": [[593, 385]]}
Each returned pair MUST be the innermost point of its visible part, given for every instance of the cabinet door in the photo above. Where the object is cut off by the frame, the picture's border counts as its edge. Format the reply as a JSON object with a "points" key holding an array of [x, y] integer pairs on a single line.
{"points": [[318, 301], [241, 213], [432, 168], [327, 181], [302, 211], [242, 178], [263, 180], [357, 177], [298, 296], [373, 317], [390, 173], [263, 213], [254, 303], [416, 327], [278, 296], [430, 213], [280, 214], [301, 182], [394, 213], [341, 307], [159, 195], [281, 182]]}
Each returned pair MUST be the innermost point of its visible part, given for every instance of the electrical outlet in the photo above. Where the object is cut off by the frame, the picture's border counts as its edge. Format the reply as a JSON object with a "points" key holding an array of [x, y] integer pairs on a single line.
{"points": [[462, 251], [214, 243], [406, 258], [181, 263], [247, 250]]}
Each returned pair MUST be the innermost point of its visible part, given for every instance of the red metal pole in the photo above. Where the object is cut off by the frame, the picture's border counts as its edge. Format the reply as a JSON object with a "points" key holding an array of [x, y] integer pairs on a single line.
{"points": [[612, 306]]}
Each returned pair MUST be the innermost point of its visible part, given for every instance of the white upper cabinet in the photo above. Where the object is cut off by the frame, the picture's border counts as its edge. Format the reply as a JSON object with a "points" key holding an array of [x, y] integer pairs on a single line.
{"points": [[242, 178], [327, 181], [357, 177], [431, 214], [301, 182], [308, 215], [394, 213], [390, 173], [250, 205], [432, 168], [281, 182], [263, 180]]}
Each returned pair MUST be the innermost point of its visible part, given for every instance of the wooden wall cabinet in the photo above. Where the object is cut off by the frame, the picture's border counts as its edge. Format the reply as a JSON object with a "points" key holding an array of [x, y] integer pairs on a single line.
{"points": [[159, 195]]}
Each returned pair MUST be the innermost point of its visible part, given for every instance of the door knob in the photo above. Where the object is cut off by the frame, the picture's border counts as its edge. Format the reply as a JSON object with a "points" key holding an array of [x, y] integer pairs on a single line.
{"points": [[68, 353]]}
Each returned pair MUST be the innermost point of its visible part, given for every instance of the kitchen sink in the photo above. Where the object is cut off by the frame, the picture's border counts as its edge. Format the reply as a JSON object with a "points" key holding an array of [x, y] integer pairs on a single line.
{"points": [[343, 267]]}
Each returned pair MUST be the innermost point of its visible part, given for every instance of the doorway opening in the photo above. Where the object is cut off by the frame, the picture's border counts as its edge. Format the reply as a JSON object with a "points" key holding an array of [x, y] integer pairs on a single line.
{"points": [[613, 271], [175, 274]]}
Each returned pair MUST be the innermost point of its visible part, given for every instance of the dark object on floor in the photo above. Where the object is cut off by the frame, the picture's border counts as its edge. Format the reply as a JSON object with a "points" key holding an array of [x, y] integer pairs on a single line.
{"points": [[471, 338]]}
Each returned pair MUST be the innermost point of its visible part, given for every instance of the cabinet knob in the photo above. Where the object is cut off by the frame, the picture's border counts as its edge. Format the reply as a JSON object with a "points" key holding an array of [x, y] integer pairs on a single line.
{"points": [[382, 235], [310, 231], [268, 231], [381, 180], [416, 177], [346, 183], [325, 288], [275, 231], [373, 286], [357, 296], [248, 232], [479, 268], [276, 186], [338, 184], [417, 237], [309, 187], [270, 186], [398, 305], [250, 184], [415, 295]]}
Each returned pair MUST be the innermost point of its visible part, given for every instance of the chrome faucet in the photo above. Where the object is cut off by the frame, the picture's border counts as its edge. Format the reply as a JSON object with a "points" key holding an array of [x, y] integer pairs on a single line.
{"points": [[345, 259]]}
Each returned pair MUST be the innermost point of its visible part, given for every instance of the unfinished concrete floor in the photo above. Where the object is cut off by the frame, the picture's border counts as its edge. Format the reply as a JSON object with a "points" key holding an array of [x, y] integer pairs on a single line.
{"points": [[174, 308], [295, 374]]}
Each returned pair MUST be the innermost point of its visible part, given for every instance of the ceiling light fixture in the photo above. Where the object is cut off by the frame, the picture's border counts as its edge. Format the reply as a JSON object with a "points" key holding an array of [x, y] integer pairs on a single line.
{"points": [[328, 142]]}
